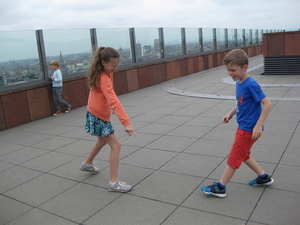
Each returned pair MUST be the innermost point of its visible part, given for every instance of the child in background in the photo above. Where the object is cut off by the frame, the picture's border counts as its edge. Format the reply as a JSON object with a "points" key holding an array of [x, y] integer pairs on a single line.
{"points": [[57, 83], [102, 101], [250, 117]]}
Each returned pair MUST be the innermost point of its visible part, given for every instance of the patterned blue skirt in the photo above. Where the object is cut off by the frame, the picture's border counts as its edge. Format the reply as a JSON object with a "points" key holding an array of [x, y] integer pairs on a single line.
{"points": [[97, 127]]}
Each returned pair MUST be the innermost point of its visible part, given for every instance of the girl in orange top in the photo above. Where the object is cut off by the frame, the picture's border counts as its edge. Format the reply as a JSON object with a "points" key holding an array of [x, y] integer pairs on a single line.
{"points": [[102, 100]]}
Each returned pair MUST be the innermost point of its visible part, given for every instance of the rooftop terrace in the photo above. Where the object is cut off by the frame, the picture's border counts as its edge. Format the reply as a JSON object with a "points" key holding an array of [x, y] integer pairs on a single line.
{"points": [[181, 145]]}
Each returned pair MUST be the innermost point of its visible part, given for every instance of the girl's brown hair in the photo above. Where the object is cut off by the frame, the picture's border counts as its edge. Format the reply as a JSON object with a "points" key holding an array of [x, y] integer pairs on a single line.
{"points": [[96, 67]]}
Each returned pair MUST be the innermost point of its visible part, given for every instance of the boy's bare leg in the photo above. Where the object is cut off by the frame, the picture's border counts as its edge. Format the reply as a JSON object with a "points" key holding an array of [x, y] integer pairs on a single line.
{"points": [[254, 166], [227, 175]]}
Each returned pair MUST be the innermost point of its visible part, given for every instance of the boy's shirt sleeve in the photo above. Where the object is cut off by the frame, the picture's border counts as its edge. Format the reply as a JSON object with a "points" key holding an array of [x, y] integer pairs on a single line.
{"points": [[256, 92], [57, 76]]}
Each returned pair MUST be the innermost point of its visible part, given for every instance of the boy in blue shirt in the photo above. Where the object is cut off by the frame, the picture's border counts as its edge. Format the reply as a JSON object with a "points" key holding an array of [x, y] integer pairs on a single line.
{"points": [[252, 108]]}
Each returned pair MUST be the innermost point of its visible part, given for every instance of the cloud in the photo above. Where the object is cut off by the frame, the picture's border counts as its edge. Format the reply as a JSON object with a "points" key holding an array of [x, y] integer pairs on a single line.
{"points": [[69, 14]]}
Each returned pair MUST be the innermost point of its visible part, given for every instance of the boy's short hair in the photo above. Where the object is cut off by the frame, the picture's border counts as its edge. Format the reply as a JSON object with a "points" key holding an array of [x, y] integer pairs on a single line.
{"points": [[55, 63], [236, 57]]}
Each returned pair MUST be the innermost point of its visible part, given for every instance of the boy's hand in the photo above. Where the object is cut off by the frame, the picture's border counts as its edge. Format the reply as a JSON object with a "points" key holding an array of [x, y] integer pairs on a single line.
{"points": [[129, 130], [257, 132], [226, 118]]}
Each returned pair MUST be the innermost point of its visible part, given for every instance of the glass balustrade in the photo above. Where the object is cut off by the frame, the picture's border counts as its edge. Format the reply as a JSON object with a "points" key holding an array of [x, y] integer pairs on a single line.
{"points": [[19, 59], [25, 55], [72, 48]]}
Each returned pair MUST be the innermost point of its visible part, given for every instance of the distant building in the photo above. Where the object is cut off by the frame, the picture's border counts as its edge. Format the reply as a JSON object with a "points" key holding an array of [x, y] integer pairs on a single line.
{"points": [[147, 49], [156, 45], [62, 65], [138, 47]]}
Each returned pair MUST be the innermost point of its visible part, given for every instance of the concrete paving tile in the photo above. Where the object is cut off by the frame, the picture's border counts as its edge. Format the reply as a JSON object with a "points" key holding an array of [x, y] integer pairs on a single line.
{"points": [[125, 151], [191, 164], [253, 223], [167, 187], [53, 143], [9, 135], [277, 207], [148, 158], [77, 132], [8, 147], [172, 143], [190, 131], [136, 124], [279, 126], [163, 110], [5, 166], [224, 134], [40, 189], [275, 138], [23, 155], [157, 128], [295, 141], [141, 211], [49, 161], [142, 139], [239, 203], [130, 174], [11, 209], [204, 121], [147, 117], [15, 176], [78, 147], [38, 217], [266, 153], [79, 202], [49, 128], [171, 119], [70, 170], [184, 215], [286, 177], [29, 138], [291, 156], [210, 147]]}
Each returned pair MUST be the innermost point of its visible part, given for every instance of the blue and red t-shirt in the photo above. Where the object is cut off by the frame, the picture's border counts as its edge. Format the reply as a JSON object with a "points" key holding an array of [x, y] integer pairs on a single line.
{"points": [[248, 105]]}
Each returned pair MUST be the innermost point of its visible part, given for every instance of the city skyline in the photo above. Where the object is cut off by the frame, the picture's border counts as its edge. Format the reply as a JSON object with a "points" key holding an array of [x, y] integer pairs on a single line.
{"points": [[16, 45]]}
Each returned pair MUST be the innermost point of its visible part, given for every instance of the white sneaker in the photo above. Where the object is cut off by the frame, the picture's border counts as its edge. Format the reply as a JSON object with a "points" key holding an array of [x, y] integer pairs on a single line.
{"points": [[89, 168], [119, 186]]}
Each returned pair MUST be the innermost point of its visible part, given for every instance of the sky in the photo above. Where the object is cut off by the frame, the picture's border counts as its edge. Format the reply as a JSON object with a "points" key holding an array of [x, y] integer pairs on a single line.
{"points": [[71, 14]]}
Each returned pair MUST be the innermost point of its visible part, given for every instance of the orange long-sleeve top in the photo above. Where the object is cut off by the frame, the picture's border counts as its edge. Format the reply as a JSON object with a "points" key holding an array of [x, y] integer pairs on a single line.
{"points": [[104, 99]]}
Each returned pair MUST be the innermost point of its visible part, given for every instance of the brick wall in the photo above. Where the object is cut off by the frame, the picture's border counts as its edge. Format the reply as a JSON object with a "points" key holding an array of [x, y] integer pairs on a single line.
{"points": [[25, 105]]}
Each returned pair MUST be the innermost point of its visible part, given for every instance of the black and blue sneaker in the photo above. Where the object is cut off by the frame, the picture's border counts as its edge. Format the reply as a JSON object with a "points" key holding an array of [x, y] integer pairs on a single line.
{"points": [[262, 182], [214, 189]]}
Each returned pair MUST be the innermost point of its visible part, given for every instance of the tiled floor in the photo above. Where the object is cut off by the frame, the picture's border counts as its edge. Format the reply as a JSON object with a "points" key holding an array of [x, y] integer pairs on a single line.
{"points": [[181, 144]]}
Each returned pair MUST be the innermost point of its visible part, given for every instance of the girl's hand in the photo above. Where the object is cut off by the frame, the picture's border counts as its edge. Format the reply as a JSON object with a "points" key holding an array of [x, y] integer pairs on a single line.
{"points": [[129, 130]]}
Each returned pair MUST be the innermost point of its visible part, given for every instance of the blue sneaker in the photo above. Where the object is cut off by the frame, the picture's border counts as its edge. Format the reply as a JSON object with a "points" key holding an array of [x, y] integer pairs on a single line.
{"points": [[214, 190], [260, 182]]}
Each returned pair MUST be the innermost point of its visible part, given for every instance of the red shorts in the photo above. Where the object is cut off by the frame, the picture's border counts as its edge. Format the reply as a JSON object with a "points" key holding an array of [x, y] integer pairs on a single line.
{"points": [[240, 150]]}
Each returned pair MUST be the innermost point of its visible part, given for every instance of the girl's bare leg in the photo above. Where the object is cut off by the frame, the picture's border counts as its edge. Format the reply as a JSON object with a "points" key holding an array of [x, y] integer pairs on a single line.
{"points": [[95, 150], [227, 175], [115, 145], [254, 166]]}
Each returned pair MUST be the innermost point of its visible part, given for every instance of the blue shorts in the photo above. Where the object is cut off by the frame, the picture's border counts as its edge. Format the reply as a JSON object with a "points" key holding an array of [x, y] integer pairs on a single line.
{"points": [[97, 127]]}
